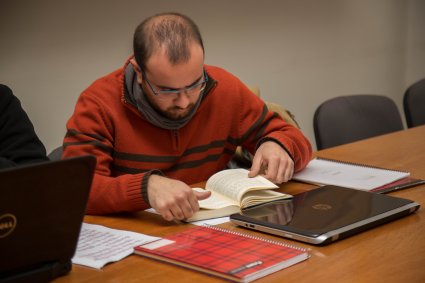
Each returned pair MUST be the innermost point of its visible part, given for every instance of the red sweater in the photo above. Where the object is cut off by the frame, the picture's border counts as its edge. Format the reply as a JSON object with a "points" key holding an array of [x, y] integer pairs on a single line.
{"points": [[128, 148]]}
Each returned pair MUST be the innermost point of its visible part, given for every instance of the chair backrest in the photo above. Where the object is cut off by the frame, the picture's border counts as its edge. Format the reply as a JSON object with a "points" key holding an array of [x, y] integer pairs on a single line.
{"points": [[56, 154], [350, 118], [414, 104], [286, 115]]}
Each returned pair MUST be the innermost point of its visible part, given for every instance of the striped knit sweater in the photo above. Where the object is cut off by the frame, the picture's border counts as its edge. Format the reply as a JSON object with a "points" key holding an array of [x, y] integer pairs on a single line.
{"points": [[129, 149]]}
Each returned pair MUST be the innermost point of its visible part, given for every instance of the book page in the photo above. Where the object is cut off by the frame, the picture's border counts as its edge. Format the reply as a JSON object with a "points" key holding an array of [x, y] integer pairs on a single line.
{"points": [[328, 172], [233, 183], [215, 201], [257, 197]]}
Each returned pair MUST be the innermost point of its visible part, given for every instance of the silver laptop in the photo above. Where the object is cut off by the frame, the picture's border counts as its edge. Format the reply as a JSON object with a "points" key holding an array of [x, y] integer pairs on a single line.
{"points": [[325, 214], [41, 210]]}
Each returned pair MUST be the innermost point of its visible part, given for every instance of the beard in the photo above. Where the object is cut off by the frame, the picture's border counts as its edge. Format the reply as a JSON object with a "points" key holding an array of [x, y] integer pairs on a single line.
{"points": [[177, 113], [174, 112]]}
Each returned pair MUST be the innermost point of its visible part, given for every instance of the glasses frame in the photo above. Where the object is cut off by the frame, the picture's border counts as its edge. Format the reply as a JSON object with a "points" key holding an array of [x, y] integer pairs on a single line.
{"points": [[166, 94]]}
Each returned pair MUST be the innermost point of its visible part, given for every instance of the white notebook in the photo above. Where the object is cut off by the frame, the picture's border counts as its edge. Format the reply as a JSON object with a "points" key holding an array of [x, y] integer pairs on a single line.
{"points": [[322, 171]]}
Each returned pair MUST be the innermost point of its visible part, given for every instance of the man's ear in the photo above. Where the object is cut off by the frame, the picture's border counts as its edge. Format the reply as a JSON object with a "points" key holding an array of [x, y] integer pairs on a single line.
{"points": [[137, 70]]}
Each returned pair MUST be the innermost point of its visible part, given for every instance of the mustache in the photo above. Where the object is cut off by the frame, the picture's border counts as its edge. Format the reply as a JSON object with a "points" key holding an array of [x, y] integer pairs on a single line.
{"points": [[190, 106]]}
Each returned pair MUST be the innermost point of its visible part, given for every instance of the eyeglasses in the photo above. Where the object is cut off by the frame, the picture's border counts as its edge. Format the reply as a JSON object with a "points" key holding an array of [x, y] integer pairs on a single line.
{"points": [[194, 89]]}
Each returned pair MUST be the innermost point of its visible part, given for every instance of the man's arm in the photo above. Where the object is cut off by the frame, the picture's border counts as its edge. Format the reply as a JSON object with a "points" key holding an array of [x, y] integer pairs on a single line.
{"points": [[280, 149], [91, 131]]}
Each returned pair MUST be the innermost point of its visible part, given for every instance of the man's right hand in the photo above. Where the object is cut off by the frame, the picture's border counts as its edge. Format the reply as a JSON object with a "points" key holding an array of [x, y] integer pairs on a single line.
{"points": [[173, 199]]}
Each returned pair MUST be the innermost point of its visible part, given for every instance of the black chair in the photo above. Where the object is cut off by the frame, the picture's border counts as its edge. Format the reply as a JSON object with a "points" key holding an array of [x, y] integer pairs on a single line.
{"points": [[414, 104], [56, 154], [346, 119]]}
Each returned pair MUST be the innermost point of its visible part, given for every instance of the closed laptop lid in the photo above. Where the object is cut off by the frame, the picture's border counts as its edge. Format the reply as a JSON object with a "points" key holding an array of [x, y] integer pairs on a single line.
{"points": [[41, 210], [325, 214]]}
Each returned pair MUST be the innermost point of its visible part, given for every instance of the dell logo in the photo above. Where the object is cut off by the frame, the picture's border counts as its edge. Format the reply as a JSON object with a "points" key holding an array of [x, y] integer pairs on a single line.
{"points": [[322, 206], [7, 224]]}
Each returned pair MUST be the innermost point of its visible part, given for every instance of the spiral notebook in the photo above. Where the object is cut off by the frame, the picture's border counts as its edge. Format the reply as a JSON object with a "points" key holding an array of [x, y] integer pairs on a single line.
{"points": [[321, 171], [224, 253]]}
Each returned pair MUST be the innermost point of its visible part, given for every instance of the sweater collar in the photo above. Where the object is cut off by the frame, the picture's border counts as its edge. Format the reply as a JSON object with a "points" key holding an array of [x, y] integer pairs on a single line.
{"points": [[138, 98]]}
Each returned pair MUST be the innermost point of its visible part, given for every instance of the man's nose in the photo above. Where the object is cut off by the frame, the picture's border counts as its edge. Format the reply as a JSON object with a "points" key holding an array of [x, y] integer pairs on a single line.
{"points": [[182, 99]]}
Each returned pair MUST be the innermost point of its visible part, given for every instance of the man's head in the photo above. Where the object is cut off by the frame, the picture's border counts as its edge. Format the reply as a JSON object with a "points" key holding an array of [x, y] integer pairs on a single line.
{"points": [[171, 31], [169, 59]]}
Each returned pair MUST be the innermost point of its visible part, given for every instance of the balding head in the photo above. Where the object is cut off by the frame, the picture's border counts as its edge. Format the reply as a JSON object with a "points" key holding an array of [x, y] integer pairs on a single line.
{"points": [[171, 33]]}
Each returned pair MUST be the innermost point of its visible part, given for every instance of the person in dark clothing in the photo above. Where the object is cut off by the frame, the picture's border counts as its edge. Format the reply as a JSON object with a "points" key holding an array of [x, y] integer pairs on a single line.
{"points": [[19, 144]]}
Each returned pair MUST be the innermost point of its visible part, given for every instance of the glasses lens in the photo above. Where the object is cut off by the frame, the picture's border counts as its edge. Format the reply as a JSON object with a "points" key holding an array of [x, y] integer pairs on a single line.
{"points": [[173, 94]]}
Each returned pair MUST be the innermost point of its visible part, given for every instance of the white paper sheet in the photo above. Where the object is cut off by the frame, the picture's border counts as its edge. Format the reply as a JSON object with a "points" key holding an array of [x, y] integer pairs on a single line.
{"points": [[213, 221], [99, 245]]}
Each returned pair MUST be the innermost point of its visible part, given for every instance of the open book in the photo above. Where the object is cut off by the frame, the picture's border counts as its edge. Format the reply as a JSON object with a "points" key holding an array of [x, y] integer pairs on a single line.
{"points": [[231, 191]]}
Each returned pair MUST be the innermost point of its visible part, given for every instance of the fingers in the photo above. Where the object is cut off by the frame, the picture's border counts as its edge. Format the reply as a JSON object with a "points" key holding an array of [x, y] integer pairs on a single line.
{"points": [[279, 171], [182, 211], [256, 166], [185, 204], [202, 195], [289, 171], [173, 199], [272, 170], [285, 171], [188, 204], [167, 215], [279, 167], [178, 210]]}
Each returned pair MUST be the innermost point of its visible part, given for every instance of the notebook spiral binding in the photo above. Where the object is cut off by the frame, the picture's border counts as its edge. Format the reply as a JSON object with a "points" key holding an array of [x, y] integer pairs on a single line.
{"points": [[255, 238], [359, 164]]}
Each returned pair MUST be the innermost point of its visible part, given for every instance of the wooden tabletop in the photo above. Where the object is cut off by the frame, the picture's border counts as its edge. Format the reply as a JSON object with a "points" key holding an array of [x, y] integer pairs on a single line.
{"points": [[394, 252]]}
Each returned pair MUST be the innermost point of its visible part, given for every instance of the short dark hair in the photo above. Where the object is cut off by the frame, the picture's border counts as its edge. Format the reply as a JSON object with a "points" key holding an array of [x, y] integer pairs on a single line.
{"points": [[173, 31]]}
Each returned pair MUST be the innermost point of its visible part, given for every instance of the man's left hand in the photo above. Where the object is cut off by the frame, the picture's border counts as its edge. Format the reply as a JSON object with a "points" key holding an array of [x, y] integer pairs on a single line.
{"points": [[272, 162]]}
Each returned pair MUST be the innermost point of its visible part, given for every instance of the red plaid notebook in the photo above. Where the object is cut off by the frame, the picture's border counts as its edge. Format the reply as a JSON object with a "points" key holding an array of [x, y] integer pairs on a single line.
{"points": [[223, 253], [398, 185]]}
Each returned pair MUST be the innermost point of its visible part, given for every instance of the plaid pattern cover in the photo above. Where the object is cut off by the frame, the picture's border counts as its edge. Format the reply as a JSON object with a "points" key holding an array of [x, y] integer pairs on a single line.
{"points": [[224, 253]]}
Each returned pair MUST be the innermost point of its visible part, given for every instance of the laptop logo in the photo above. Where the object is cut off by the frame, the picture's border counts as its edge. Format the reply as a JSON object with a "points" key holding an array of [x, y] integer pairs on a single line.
{"points": [[7, 224], [322, 206]]}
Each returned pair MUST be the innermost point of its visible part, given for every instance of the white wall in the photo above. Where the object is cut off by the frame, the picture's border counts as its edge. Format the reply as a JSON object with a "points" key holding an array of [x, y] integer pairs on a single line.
{"points": [[415, 52], [299, 53]]}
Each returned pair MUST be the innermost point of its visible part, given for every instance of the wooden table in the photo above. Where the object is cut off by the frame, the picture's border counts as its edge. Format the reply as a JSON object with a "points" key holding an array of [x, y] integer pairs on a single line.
{"points": [[394, 252]]}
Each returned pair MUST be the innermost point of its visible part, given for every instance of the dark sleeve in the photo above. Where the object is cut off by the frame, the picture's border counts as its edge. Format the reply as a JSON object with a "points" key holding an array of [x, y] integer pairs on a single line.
{"points": [[19, 143]]}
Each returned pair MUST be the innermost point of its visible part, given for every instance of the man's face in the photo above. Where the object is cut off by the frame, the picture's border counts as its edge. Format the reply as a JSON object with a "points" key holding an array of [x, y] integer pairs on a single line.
{"points": [[173, 89]]}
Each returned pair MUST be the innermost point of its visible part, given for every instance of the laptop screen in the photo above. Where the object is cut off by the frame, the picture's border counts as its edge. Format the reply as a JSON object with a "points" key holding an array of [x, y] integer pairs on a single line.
{"points": [[41, 210]]}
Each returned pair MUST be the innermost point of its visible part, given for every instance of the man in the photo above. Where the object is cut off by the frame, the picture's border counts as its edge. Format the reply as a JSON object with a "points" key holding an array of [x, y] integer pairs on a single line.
{"points": [[19, 143], [166, 120]]}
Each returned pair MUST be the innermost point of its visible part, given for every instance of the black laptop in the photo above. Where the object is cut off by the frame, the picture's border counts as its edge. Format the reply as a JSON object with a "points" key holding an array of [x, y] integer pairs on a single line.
{"points": [[325, 214], [41, 211]]}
